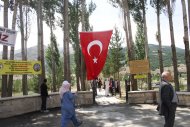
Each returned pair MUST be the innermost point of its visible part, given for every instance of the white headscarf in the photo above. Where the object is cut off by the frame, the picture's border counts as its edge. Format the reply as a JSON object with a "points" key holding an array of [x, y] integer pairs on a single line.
{"points": [[64, 88]]}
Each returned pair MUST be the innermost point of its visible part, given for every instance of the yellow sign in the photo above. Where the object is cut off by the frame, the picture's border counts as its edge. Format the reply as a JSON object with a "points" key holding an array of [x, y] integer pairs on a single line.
{"points": [[20, 67], [139, 66], [140, 76]]}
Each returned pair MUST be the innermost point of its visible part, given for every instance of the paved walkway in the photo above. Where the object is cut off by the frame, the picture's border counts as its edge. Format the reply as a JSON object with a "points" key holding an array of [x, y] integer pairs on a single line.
{"points": [[110, 112]]}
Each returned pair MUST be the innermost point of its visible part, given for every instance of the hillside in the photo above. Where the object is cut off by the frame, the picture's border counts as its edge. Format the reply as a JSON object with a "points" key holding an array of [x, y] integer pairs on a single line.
{"points": [[153, 55], [167, 56], [32, 53]]}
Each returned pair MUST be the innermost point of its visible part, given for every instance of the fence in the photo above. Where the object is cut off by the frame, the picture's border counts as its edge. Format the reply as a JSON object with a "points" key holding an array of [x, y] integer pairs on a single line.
{"points": [[12, 106]]}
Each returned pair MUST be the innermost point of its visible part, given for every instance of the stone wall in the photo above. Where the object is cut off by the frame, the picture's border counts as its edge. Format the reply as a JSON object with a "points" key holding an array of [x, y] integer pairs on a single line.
{"points": [[141, 97], [184, 98], [151, 96], [12, 106], [84, 98]]}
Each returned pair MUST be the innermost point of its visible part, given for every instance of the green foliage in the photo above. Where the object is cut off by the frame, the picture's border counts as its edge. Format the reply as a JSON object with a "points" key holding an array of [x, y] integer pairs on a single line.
{"points": [[74, 22], [60, 73], [33, 84], [156, 77], [11, 5], [116, 58], [89, 11], [49, 11], [137, 10], [17, 85], [106, 69], [120, 3], [158, 5], [75, 14], [167, 56], [74, 26], [116, 3], [53, 50], [139, 43], [153, 55]]}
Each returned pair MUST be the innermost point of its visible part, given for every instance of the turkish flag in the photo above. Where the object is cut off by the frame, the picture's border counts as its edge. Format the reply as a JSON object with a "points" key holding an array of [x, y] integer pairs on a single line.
{"points": [[94, 48]]}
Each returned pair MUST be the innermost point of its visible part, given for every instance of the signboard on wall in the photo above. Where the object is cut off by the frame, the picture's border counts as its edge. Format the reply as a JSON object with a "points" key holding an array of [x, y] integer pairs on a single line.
{"points": [[7, 36], [140, 76], [139, 67], [20, 67]]}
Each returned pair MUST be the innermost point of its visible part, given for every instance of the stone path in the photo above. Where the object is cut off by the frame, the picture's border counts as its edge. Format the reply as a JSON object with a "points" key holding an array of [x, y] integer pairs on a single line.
{"points": [[101, 99], [110, 112]]}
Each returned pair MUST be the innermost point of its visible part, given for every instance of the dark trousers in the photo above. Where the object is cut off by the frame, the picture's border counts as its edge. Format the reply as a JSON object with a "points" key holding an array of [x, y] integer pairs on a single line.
{"points": [[44, 99], [170, 116]]}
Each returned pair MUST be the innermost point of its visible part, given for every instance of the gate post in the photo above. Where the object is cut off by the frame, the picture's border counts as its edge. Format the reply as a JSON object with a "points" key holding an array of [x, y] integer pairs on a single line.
{"points": [[94, 90], [127, 88]]}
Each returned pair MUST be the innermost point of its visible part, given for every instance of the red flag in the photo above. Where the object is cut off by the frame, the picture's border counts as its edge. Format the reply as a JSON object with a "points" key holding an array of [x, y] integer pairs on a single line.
{"points": [[94, 48]]}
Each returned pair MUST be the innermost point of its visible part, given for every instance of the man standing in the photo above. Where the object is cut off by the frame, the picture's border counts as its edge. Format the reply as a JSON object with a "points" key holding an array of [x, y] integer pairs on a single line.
{"points": [[44, 95], [168, 99]]}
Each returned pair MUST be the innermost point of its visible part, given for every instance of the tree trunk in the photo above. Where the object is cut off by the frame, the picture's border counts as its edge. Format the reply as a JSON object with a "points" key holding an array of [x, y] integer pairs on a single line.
{"points": [[77, 46], [83, 70], [40, 42], [131, 46], [78, 66], [24, 77], [66, 25], [53, 59], [145, 31], [68, 58], [24, 85], [53, 65], [146, 44], [189, 12], [127, 36], [77, 53], [186, 43], [174, 56], [159, 40], [5, 50], [66, 40], [43, 76], [10, 81]]}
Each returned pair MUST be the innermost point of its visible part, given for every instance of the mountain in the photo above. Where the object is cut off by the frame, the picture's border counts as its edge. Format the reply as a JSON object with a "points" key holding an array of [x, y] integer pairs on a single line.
{"points": [[153, 55], [167, 56], [32, 53]]}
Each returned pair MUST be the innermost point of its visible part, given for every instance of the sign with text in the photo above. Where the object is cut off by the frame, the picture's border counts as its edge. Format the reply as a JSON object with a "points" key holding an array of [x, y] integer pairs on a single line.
{"points": [[20, 67], [139, 76], [7, 36], [139, 67]]}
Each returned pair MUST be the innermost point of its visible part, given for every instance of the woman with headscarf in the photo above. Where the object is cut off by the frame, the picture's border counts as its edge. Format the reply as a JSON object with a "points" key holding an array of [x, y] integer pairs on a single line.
{"points": [[67, 106]]}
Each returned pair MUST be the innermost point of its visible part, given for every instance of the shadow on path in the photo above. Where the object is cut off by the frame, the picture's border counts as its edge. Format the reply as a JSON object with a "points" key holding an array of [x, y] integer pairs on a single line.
{"points": [[110, 112]]}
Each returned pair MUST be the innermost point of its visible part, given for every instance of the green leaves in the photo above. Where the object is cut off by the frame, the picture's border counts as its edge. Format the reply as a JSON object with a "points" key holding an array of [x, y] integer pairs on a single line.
{"points": [[116, 56], [139, 42]]}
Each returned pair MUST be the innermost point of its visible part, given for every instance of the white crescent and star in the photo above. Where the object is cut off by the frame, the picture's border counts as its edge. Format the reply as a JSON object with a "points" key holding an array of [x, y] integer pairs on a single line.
{"points": [[95, 42]]}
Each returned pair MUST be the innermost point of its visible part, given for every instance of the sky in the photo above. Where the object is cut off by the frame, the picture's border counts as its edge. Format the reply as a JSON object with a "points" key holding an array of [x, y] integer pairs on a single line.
{"points": [[106, 17]]}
